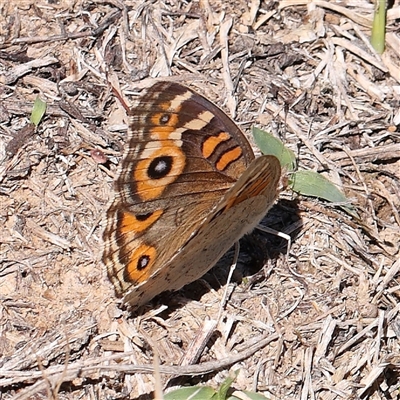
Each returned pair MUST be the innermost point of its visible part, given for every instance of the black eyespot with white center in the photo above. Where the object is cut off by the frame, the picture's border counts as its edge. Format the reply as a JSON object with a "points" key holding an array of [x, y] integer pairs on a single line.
{"points": [[160, 167], [164, 119], [143, 262]]}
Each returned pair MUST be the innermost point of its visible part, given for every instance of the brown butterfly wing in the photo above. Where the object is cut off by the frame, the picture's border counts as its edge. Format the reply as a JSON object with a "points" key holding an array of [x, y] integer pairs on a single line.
{"points": [[238, 212], [183, 154]]}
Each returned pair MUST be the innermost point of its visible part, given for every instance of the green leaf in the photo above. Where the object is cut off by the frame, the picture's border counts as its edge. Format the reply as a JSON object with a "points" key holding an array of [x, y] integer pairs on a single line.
{"points": [[378, 27], [307, 183], [192, 393], [270, 145], [310, 183], [39, 108]]}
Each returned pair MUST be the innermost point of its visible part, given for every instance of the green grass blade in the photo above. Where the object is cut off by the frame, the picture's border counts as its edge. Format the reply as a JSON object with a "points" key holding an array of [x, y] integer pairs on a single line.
{"points": [[378, 27], [192, 393]]}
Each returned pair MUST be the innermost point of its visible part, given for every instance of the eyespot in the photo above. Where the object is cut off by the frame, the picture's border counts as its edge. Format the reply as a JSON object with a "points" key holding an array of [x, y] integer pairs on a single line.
{"points": [[160, 167], [164, 119], [143, 262], [139, 267]]}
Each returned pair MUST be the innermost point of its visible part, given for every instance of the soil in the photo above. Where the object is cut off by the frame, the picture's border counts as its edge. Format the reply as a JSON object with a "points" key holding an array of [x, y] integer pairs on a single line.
{"points": [[313, 318]]}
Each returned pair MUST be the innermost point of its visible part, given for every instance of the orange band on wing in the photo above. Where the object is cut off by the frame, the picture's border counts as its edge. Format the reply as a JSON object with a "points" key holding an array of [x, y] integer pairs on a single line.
{"points": [[131, 223], [212, 142], [228, 157], [251, 191]]}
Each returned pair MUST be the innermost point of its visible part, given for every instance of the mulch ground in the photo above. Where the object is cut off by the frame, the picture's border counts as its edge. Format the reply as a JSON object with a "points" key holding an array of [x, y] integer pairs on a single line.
{"points": [[322, 323]]}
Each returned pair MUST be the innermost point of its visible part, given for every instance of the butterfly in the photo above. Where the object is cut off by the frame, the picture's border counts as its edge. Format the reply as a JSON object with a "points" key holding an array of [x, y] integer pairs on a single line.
{"points": [[188, 187]]}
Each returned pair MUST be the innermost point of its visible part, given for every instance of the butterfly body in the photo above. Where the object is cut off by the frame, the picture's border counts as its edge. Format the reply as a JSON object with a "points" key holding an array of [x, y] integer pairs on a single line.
{"points": [[187, 188]]}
